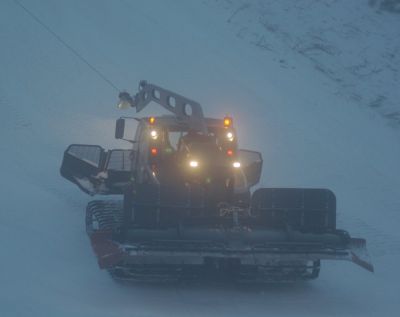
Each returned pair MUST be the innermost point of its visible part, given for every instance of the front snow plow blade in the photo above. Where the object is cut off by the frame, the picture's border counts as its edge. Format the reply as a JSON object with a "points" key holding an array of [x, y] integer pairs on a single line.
{"points": [[245, 253], [279, 259], [359, 254]]}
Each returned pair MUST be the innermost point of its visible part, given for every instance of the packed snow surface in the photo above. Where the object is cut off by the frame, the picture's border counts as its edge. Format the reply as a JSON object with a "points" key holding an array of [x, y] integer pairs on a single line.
{"points": [[313, 85]]}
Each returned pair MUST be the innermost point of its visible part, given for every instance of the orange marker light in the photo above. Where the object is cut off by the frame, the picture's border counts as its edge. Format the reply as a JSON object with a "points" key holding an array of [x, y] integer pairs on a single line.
{"points": [[152, 120], [154, 151], [227, 122], [229, 152]]}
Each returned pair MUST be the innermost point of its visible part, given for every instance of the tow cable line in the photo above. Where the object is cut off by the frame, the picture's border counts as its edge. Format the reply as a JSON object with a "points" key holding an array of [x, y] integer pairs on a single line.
{"points": [[69, 47]]}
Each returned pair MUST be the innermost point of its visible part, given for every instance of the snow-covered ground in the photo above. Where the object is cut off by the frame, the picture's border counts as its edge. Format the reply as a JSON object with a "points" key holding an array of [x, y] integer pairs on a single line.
{"points": [[354, 45], [301, 86]]}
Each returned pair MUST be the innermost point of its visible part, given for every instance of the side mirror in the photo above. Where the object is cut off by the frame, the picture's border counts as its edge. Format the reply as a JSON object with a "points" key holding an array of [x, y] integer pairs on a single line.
{"points": [[120, 128]]}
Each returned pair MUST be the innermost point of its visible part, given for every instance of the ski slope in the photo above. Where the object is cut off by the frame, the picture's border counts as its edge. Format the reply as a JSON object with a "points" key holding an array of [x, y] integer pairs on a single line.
{"points": [[311, 134]]}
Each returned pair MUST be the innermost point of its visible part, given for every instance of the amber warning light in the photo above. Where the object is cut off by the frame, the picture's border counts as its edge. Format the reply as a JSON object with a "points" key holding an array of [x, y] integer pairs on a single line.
{"points": [[227, 122]]}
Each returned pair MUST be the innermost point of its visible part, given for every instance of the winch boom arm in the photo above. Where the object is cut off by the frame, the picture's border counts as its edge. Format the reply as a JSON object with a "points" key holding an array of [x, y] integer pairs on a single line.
{"points": [[185, 109]]}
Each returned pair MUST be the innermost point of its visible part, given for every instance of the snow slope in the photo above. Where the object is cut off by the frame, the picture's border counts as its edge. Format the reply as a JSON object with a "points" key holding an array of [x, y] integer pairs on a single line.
{"points": [[309, 131], [354, 45]]}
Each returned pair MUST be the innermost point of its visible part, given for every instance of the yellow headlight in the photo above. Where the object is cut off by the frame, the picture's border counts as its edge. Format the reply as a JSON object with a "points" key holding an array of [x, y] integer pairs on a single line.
{"points": [[154, 134], [236, 164], [193, 163]]}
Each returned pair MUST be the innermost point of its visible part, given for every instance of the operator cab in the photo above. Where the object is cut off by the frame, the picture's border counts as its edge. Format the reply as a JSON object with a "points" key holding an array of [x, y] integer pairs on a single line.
{"points": [[169, 151], [164, 141], [163, 151]]}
